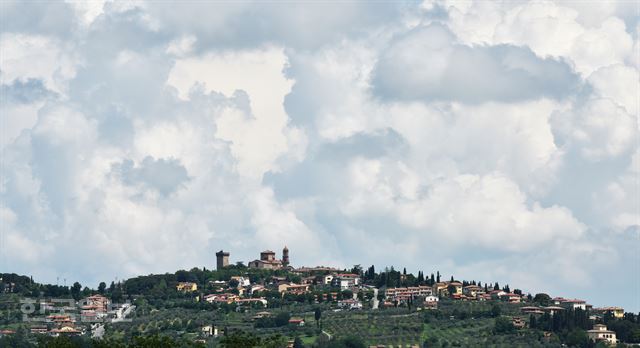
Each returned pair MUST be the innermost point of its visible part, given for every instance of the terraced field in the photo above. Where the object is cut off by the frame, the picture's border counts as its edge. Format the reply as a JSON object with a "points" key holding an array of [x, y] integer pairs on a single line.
{"points": [[402, 328], [377, 328], [454, 325], [458, 332]]}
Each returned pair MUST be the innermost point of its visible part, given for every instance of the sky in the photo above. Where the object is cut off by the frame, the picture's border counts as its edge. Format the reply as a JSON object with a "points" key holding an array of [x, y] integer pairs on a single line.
{"points": [[492, 141]]}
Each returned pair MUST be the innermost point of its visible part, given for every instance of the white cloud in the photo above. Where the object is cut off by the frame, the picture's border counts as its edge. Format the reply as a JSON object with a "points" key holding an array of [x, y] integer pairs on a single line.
{"points": [[427, 64], [618, 201], [589, 36], [488, 211], [619, 83], [258, 133], [452, 136], [87, 11], [55, 66], [598, 129], [16, 118]]}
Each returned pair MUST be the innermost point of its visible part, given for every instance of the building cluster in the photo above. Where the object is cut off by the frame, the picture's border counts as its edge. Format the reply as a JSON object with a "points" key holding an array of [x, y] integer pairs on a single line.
{"points": [[267, 260], [323, 278], [66, 320], [455, 290], [558, 304], [345, 290], [239, 290]]}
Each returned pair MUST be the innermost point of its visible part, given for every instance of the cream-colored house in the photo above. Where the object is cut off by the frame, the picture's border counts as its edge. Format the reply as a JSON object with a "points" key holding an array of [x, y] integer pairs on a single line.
{"points": [[599, 333], [187, 286], [617, 312], [457, 287]]}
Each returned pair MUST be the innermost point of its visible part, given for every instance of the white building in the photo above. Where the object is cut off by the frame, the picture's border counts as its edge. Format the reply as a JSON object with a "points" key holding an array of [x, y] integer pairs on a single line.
{"points": [[327, 279], [346, 280], [209, 331], [404, 294], [350, 304], [242, 281], [431, 301], [599, 333], [574, 304]]}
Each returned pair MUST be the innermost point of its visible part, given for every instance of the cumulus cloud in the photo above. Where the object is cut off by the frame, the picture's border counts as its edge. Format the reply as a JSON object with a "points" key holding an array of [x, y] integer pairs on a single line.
{"points": [[25, 92], [599, 128], [477, 138], [257, 130], [582, 34], [622, 208], [242, 25], [166, 176], [19, 52], [488, 211], [427, 64]]}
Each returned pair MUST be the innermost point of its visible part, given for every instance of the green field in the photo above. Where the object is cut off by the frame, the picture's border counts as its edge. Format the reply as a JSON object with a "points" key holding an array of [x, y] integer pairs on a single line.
{"points": [[377, 327]]}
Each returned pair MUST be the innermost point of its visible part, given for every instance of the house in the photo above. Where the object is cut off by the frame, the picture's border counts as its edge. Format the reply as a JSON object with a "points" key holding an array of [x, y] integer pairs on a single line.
{"points": [[60, 319], [221, 298], [350, 304], [94, 307], [308, 280], [39, 330], [553, 309], [256, 288], [187, 287], [599, 333], [327, 279], [293, 288], [497, 294], [574, 304], [296, 321], [441, 289], [511, 298], [472, 290], [531, 310], [242, 281], [261, 315], [8, 287], [455, 288], [518, 322], [345, 280], [65, 331], [431, 302], [484, 297], [617, 312], [6, 332], [404, 294], [268, 260], [97, 303], [209, 331]]}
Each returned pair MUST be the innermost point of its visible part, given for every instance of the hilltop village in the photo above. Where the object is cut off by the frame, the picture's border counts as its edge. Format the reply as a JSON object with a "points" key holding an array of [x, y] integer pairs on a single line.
{"points": [[268, 302]]}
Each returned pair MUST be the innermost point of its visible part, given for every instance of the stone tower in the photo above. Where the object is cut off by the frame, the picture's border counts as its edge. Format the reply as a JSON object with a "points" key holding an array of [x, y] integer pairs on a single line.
{"points": [[222, 258], [285, 256]]}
